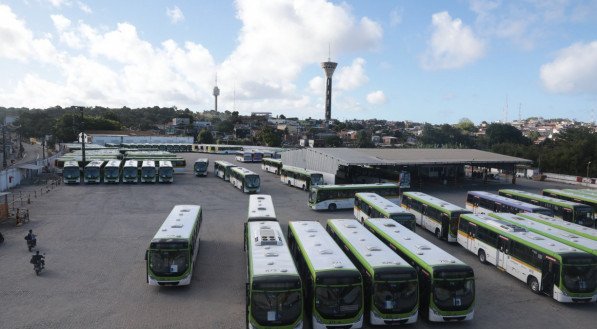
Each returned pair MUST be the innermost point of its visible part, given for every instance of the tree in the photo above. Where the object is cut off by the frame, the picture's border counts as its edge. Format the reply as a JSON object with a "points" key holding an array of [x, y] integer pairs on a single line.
{"points": [[466, 125], [268, 137], [333, 141], [205, 137], [282, 116], [497, 133], [364, 139]]}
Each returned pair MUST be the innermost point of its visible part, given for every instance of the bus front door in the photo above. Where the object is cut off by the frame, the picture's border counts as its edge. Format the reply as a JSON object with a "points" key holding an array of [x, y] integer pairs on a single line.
{"points": [[549, 272], [445, 226], [502, 252]]}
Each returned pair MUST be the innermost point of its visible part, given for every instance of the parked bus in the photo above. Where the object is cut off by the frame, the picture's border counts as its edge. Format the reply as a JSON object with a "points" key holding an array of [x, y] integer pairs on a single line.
{"points": [[271, 165], [245, 180], [332, 197], [130, 171], [92, 173], [274, 291], [390, 283], [165, 172], [571, 195], [299, 177], [71, 172], [112, 171], [371, 205], [480, 202], [257, 156], [587, 232], [545, 265], [200, 167], [172, 252], [569, 211], [332, 284], [148, 171], [565, 237], [222, 169], [244, 156], [433, 214], [446, 285], [261, 208]]}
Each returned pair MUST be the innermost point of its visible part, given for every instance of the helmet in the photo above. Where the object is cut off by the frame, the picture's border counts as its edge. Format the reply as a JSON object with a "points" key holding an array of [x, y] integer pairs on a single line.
{"points": [[37, 252], [30, 231]]}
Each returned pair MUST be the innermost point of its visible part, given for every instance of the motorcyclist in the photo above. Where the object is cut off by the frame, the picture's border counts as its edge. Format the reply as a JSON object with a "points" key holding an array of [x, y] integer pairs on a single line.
{"points": [[31, 239], [1, 237], [37, 258]]}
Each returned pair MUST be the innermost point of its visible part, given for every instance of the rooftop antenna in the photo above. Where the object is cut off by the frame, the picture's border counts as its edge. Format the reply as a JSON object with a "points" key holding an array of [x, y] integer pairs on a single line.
{"points": [[519, 112], [216, 92]]}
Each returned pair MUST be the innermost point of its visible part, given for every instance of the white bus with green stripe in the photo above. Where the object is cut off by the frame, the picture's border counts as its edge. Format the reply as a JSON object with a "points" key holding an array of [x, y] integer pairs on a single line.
{"points": [[574, 196], [446, 284], [300, 177], [92, 173], [573, 240], [71, 172], [172, 252], [433, 214], [547, 266], [130, 171], [222, 169], [200, 167], [148, 171], [587, 232], [391, 284], [165, 172], [332, 197], [569, 211], [333, 285], [371, 205], [273, 290], [245, 180], [112, 171], [271, 165]]}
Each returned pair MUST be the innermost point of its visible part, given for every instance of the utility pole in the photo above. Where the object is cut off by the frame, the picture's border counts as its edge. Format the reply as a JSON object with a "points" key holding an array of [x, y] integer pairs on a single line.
{"points": [[82, 136], [4, 163]]}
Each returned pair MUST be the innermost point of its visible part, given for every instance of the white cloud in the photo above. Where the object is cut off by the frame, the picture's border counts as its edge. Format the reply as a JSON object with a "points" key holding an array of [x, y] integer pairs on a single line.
{"points": [[58, 3], [452, 45], [573, 71], [175, 15], [61, 23], [317, 85], [84, 7], [351, 77], [396, 16], [376, 98]]}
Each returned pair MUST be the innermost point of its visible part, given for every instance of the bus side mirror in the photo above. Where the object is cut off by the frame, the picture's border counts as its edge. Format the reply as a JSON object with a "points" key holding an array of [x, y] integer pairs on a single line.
{"points": [[146, 252]]}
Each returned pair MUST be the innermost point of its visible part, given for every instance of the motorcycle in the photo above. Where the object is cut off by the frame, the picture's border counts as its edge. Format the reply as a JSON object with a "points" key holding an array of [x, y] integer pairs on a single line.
{"points": [[31, 243], [1, 238], [38, 266]]}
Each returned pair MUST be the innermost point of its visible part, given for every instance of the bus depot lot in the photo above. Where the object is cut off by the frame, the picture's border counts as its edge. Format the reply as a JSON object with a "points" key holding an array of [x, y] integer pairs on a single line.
{"points": [[95, 236]]}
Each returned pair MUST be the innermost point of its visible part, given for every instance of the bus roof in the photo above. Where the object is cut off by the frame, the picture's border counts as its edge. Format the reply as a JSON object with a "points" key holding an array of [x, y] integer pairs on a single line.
{"points": [[299, 170], [419, 248], [507, 201], [131, 163], [148, 163], [369, 249], [272, 160], [381, 204], [578, 242], [519, 233], [179, 223], [261, 207], [436, 203], [224, 163], [320, 250], [587, 232], [202, 160], [354, 186], [539, 197], [113, 163], [95, 163], [269, 253], [71, 163], [581, 196], [243, 171], [165, 164]]}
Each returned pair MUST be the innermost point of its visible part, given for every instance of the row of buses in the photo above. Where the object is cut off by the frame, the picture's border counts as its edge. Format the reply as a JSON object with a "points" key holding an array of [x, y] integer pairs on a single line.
{"points": [[116, 171], [348, 274], [293, 176], [241, 178]]}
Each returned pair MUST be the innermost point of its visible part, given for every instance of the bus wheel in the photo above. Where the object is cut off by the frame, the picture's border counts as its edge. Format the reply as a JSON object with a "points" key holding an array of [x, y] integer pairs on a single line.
{"points": [[438, 233], [534, 284], [332, 207], [482, 257]]}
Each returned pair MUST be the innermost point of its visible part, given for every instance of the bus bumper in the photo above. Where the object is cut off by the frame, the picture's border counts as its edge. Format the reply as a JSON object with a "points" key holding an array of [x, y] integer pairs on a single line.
{"points": [[376, 320], [436, 317], [562, 297], [183, 282], [356, 325]]}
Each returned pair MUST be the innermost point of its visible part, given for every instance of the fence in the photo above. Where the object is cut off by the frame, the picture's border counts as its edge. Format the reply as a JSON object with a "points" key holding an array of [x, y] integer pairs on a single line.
{"points": [[14, 176], [574, 180]]}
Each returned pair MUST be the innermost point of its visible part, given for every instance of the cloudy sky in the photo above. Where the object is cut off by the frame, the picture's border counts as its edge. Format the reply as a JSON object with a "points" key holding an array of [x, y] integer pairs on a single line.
{"points": [[432, 61]]}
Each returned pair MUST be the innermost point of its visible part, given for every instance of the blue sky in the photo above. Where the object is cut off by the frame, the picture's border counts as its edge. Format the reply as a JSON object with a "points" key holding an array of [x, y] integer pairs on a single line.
{"points": [[426, 61]]}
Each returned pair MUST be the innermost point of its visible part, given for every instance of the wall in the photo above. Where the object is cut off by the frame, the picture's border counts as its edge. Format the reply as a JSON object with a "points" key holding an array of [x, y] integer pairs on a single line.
{"points": [[12, 177]]}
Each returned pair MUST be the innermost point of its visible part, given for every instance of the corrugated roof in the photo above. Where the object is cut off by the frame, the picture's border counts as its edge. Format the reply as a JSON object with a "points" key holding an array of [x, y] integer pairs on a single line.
{"points": [[375, 156]]}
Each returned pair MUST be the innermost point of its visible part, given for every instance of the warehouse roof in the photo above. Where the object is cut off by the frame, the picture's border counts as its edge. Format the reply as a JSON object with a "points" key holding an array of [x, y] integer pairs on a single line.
{"points": [[375, 156]]}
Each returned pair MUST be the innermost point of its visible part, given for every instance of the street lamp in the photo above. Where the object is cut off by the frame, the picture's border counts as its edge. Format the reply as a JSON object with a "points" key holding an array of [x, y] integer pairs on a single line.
{"points": [[588, 178]]}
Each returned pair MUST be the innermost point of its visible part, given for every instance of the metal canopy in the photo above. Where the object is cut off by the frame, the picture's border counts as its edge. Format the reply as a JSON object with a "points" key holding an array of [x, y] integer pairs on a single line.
{"points": [[29, 166]]}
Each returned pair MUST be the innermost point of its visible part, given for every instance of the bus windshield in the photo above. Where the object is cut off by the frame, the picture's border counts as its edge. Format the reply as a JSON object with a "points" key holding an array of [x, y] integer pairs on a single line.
{"points": [[92, 172], [337, 302], [313, 196], [200, 166], [584, 216], [130, 172], [580, 274], [168, 262], [167, 171], [280, 308], [453, 294], [111, 172], [546, 212], [406, 220], [148, 171], [71, 172], [252, 181], [316, 179], [395, 297]]}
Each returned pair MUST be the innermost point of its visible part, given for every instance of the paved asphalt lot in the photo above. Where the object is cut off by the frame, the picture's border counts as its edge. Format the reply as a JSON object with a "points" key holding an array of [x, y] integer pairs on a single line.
{"points": [[94, 238]]}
